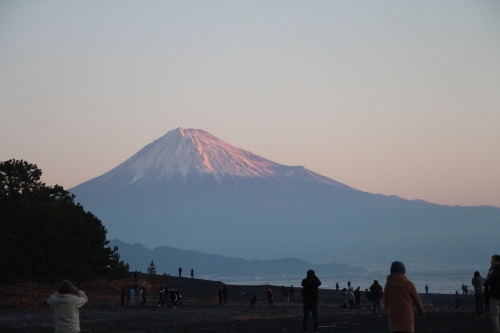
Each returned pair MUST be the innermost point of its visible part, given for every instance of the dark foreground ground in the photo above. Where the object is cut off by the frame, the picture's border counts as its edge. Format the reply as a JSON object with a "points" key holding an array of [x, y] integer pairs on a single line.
{"points": [[200, 312]]}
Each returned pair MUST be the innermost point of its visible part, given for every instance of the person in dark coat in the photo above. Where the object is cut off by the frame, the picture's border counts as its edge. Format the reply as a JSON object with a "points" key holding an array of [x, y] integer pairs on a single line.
{"points": [[253, 299], [128, 296], [172, 294], [180, 271], [310, 299], [143, 297], [224, 294], [285, 294], [357, 296], [220, 295], [368, 296], [492, 282], [123, 294], [376, 294], [486, 300], [178, 295], [161, 294]]}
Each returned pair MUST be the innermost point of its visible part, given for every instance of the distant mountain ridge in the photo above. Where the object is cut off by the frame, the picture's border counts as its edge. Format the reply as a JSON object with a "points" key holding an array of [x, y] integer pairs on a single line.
{"points": [[191, 190], [168, 259]]}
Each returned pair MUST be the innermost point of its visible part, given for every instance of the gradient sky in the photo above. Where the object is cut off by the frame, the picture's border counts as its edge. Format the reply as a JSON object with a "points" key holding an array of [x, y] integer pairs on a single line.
{"points": [[391, 97]]}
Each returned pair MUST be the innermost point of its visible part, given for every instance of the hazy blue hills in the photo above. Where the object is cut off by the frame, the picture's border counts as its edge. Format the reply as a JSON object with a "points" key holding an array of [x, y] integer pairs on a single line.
{"points": [[168, 260], [190, 190]]}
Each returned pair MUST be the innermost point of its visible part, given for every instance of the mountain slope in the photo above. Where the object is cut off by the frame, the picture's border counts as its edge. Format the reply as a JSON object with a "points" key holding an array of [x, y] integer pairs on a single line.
{"points": [[190, 190], [196, 153]]}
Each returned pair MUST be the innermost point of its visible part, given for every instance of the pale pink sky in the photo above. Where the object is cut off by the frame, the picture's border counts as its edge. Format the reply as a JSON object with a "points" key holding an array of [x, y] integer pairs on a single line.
{"points": [[388, 97]]}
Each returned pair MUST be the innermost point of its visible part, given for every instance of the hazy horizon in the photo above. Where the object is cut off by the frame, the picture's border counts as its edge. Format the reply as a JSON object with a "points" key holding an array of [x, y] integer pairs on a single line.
{"points": [[397, 98]]}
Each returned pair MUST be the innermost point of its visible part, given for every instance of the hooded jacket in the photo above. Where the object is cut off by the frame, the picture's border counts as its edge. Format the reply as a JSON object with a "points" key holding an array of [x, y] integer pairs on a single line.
{"points": [[375, 291], [67, 311], [399, 296], [310, 289]]}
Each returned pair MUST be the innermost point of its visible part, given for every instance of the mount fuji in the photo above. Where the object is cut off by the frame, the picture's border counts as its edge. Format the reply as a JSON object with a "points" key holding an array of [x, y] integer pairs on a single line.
{"points": [[191, 190]]}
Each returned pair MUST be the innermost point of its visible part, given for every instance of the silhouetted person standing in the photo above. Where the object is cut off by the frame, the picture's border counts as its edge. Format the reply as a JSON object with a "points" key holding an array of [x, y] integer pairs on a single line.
{"points": [[192, 273], [376, 294], [310, 299], [291, 290], [492, 282], [143, 297], [368, 296], [123, 294], [351, 298], [477, 283], [161, 295], [220, 295], [132, 297], [357, 296], [180, 271], [253, 299], [270, 296], [224, 294], [345, 298]]}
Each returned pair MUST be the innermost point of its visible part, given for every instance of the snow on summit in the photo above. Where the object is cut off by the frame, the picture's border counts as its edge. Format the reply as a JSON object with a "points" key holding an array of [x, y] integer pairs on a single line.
{"points": [[183, 151], [194, 151]]}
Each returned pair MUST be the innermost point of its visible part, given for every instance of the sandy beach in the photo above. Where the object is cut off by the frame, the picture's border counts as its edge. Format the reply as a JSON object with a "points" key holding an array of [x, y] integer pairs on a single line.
{"points": [[201, 312]]}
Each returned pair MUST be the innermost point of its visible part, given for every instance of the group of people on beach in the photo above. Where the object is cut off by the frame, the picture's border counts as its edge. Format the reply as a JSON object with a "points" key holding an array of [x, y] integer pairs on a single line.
{"points": [[167, 297], [223, 295], [127, 296], [399, 297], [465, 289], [287, 293], [171, 298]]}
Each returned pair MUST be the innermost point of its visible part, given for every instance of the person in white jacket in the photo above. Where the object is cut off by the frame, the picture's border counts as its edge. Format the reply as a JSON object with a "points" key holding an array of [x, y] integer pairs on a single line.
{"points": [[66, 303]]}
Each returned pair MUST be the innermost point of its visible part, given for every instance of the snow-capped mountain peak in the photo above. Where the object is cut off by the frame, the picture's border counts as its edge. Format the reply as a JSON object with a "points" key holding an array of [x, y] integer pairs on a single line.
{"points": [[195, 152], [184, 151]]}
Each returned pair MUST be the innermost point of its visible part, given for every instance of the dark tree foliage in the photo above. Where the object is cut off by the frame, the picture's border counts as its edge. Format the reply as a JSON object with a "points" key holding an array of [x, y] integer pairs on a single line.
{"points": [[45, 236], [152, 268]]}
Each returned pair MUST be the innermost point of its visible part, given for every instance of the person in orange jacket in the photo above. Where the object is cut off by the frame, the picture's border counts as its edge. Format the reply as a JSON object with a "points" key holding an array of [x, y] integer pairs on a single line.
{"points": [[400, 295]]}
